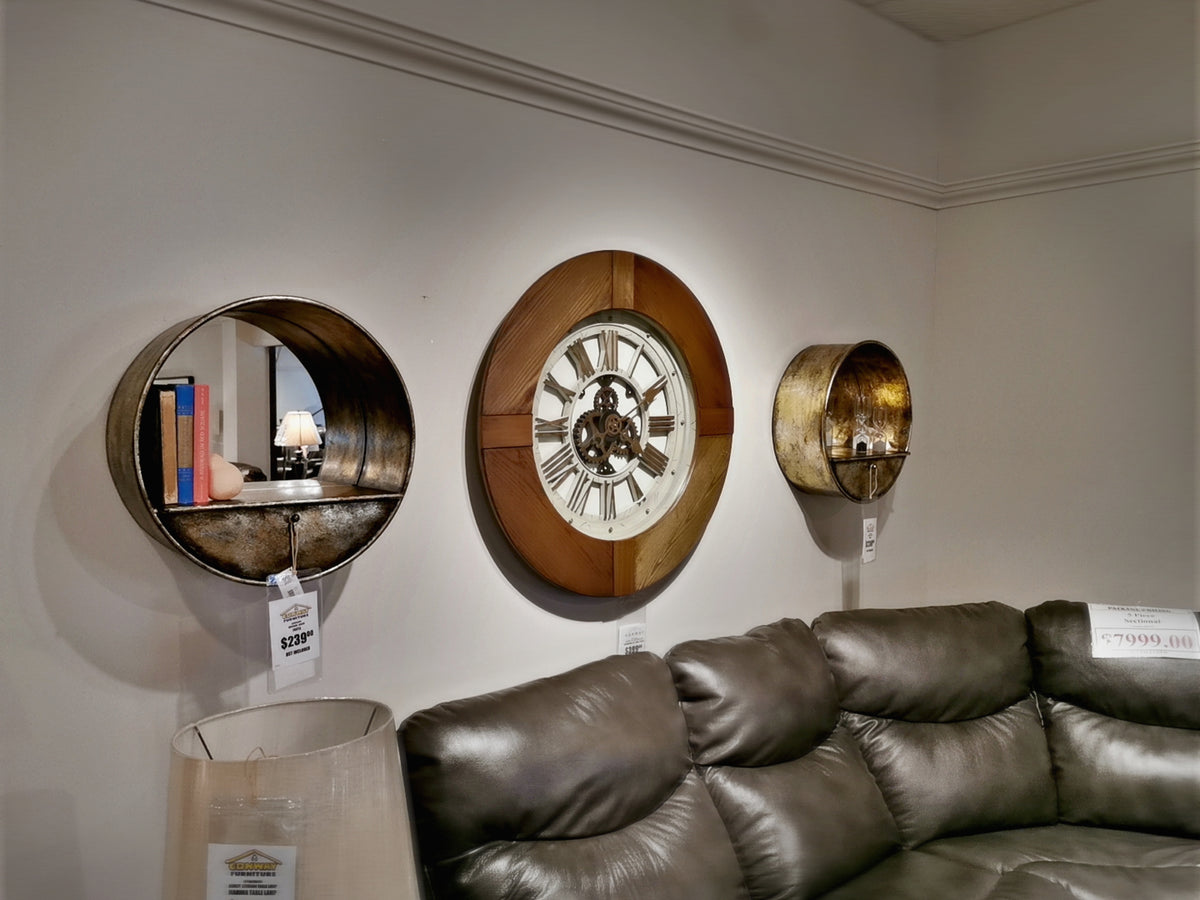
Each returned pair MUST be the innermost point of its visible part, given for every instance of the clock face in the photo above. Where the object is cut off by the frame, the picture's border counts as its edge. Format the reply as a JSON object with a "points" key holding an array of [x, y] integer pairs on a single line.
{"points": [[614, 425], [605, 424]]}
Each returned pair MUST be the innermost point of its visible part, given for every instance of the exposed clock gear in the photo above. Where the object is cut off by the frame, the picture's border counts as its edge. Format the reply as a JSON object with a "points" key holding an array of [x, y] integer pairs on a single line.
{"points": [[602, 433]]}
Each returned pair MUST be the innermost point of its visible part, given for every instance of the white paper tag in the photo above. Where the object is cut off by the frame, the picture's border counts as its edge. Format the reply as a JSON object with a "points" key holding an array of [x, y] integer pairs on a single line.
{"points": [[295, 630], [869, 538], [631, 638], [1145, 631], [288, 583], [249, 870]]}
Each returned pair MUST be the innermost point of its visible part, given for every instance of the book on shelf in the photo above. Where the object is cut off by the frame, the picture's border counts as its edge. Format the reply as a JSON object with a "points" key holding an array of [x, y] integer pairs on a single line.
{"points": [[168, 468], [201, 444], [185, 408]]}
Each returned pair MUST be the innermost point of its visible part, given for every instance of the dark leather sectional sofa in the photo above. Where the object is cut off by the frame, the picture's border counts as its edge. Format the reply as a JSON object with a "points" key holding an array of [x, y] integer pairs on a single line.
{"points": [[936, 753]]}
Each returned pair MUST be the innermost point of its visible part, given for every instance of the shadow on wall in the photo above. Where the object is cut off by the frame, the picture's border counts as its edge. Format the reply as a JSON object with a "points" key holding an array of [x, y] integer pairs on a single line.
{"points": [[836, 526], [173, 627]]}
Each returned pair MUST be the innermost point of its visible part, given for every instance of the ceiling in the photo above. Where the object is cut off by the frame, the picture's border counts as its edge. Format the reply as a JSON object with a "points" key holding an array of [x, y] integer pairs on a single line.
{"points": [[951, 20]]}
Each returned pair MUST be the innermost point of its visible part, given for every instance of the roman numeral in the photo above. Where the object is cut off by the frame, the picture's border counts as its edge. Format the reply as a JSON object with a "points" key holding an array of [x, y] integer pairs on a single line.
{"points": [[638, 351], [654, 460], [608, 501], [550, 428], [565, 394], [609, 347], [660, 426], [579, 494], [559, 465], [579, 358], [635, 491]]}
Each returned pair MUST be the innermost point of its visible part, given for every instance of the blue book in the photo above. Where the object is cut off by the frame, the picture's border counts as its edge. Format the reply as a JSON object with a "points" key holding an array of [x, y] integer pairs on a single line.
{"points": [[185, 411]]}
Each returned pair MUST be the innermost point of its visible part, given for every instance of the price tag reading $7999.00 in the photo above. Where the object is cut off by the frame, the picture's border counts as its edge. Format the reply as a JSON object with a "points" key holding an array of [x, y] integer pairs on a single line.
{"points": [[1125, 631]]}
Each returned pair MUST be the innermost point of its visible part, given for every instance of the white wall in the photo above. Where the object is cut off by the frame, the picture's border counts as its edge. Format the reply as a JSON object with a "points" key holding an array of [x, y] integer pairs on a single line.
{"points": [[1062, 424], [1107, 77], [157, 165]]}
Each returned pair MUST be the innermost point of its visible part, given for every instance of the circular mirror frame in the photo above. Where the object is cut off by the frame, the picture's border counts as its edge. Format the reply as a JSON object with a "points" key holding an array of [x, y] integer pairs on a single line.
{"points": [[368, 452]]}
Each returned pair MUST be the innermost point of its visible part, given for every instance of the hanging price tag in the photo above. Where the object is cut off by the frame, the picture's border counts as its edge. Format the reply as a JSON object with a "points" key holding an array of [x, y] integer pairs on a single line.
{"points": [[1145, 631], [870, 536], [295, 630]]}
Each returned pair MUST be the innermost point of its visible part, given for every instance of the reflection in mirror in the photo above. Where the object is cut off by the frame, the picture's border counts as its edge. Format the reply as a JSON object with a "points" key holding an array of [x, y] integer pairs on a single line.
{"points": [[293, 391], [254, 380]]}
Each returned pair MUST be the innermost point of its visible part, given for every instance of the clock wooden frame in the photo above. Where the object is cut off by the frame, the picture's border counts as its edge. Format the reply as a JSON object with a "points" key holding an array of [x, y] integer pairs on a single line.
{"points": [[570, 292]]}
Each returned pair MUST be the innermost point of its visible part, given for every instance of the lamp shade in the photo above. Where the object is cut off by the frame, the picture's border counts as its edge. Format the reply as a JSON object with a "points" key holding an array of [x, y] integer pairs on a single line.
{"points": [[299, 799], [297, 429]]}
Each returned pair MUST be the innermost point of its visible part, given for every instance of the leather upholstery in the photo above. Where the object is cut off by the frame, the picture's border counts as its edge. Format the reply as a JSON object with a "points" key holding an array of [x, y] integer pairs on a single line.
{"points": [[1056, 861], [800, 806], [938, 698], [1122, 732], [760, 698], [955, 777], [577, 785], [927, 664], [1150, 691], [899, 754]]}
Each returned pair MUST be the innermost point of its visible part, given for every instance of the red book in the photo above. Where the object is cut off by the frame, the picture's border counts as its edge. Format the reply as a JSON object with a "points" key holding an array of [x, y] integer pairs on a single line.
{"points": [[201, 443]]}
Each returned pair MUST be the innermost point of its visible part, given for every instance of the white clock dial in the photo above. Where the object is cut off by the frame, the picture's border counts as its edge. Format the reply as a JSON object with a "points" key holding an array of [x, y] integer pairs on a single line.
{"points": [[614, 425]]}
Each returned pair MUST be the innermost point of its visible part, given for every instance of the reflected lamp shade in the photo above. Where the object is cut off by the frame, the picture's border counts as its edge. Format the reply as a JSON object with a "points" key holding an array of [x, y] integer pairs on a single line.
{"points": [[297, 429], [304, 796]]}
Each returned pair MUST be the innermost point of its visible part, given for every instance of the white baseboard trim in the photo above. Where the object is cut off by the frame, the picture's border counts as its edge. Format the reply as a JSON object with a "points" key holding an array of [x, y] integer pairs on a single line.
{"points": [[335, 29]]}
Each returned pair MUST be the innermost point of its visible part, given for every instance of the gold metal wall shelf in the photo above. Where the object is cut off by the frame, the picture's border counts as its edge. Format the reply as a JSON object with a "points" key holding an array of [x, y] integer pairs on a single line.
{"points": [[324, 522], [842, 418]]}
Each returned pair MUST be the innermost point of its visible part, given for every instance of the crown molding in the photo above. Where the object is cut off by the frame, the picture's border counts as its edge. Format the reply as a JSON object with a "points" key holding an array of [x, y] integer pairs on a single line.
{"points": [[1164, 160], [369, 39]]}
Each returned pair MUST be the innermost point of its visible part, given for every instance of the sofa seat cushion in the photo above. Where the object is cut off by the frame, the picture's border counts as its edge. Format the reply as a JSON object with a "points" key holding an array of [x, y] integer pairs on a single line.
{"points": [[1071, 862], [1010, 849]]}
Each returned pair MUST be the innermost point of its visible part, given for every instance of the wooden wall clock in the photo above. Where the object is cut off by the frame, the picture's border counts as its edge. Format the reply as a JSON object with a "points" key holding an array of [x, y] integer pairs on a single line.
{"points": [[606, 421]]}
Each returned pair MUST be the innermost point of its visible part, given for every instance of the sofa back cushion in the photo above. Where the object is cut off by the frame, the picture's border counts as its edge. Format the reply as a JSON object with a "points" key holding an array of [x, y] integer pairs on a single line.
{"points": [[1124, 733], [800, 806], [939, 701], [577, 785]]}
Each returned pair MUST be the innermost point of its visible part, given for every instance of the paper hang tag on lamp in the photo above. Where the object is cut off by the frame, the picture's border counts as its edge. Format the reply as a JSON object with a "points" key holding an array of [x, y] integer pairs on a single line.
{"points": [[308, 794]]}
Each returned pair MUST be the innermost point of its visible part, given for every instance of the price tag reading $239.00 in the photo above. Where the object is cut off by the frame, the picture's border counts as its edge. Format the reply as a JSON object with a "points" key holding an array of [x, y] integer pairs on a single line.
{"points": [[1125, 631]]}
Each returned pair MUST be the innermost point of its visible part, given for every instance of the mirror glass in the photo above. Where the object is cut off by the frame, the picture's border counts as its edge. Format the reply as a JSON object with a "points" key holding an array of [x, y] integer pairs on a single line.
{"points": [[254, 381]]}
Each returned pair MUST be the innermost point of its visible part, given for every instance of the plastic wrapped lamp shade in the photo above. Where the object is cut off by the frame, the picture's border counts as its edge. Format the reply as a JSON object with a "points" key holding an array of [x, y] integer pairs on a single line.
{"points": [[302, 799]]}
